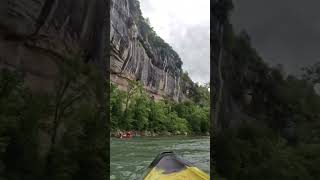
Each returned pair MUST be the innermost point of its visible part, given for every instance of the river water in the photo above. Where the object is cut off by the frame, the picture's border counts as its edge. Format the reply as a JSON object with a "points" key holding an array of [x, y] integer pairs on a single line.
{"points": [[131, 157]]}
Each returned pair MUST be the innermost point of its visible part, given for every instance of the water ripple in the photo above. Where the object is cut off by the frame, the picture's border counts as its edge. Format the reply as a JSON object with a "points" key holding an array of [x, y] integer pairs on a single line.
{"points": [[130, 158]]}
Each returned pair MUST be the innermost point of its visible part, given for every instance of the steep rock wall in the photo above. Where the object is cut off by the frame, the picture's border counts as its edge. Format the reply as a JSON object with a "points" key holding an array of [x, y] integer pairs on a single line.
{"points": [[134, 57], [37, 36]]}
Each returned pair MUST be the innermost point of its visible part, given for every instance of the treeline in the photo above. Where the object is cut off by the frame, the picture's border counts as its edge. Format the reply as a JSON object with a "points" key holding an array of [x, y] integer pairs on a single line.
{"points": [[52, 135], [135, 110], [280, 138]]}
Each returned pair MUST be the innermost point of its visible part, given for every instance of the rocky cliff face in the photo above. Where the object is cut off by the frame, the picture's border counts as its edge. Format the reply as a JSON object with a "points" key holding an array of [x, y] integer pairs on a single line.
{"points": [[36, 35], [139, 54]]}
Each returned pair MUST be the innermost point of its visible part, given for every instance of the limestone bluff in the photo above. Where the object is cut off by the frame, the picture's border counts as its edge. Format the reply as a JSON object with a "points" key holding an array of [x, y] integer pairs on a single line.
{"points": [[36, 34], [137, 53]]}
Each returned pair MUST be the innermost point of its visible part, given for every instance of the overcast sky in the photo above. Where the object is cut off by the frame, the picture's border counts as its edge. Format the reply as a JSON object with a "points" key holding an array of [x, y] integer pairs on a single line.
{"points": [[283, 31], [185, 25]]}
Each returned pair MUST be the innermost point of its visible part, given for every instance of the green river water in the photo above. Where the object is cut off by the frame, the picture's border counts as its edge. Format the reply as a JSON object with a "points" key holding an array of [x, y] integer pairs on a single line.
{"points": [[131, 157]]}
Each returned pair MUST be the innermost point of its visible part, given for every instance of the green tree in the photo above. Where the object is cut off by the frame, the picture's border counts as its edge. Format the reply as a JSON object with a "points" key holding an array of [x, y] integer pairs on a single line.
{"points": [[117, 98], [139, 110], [158, 116]]}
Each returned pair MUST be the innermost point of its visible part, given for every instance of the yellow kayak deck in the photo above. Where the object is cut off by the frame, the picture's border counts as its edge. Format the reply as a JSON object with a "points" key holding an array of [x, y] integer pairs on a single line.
{"points": [[167, 166]]}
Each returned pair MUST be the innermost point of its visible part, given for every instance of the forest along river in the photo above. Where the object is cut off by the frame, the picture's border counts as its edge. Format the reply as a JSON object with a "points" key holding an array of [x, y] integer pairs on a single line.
{"points": [[131, 157]]}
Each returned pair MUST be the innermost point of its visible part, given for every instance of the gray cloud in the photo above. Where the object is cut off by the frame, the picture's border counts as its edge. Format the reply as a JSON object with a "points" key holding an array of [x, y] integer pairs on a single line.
{"points": [[194, 48], [285, 31]]}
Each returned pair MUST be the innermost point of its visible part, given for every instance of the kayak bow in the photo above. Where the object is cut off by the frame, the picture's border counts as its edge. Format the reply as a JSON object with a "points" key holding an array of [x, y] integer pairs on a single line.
{"points": [[168, 166]]}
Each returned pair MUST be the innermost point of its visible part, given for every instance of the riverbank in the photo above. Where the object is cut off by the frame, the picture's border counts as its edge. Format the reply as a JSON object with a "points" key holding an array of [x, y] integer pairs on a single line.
{"points": [[117, 133]]}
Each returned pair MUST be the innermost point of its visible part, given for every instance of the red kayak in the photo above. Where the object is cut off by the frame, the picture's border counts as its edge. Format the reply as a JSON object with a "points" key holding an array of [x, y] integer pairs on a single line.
{"points": [[126, 135]]}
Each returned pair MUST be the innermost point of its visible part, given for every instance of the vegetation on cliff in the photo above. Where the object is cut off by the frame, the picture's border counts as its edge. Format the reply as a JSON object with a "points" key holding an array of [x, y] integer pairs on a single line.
{"points": [[135, 110], [281, 140], [284, 131], [150, 36]]}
